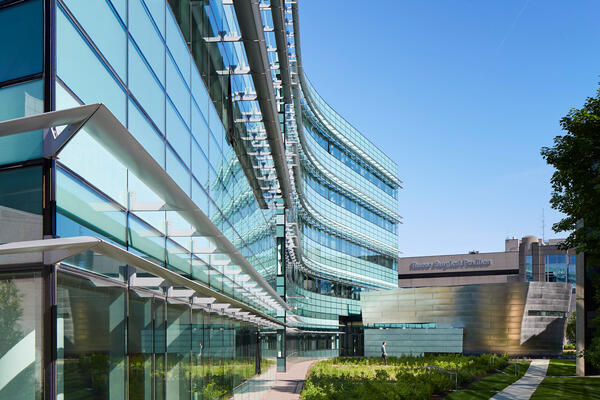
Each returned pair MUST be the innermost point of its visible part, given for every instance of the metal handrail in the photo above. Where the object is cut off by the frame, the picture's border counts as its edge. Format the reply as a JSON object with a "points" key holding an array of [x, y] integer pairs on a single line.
{"points": [[516, 365], [430, 367]]}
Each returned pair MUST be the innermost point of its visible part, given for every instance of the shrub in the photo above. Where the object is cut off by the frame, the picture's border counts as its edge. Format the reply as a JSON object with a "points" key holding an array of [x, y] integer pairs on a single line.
{"points": [[403, 378], [572, 329]]}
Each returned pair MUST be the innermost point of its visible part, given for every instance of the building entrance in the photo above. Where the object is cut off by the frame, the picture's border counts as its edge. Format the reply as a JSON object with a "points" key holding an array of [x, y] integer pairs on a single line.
{"points": [[352, 340]]}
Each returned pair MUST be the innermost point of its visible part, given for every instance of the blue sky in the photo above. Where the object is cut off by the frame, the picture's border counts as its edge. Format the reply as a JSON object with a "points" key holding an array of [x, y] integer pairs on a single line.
{"points": [[462, 95]]}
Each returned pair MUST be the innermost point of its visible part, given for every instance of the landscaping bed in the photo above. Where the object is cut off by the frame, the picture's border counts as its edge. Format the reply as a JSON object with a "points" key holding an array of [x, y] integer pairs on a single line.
{"points": [[403, 377]]}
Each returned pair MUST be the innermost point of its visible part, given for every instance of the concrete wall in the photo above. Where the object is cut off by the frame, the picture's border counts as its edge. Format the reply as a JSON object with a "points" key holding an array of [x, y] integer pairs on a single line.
{"points": [[458, 269], [413, 341], [456, 280]]}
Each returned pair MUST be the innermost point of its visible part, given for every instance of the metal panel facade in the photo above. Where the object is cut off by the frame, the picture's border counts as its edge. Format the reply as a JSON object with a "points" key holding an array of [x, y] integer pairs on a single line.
{"points": [[515, 317]]}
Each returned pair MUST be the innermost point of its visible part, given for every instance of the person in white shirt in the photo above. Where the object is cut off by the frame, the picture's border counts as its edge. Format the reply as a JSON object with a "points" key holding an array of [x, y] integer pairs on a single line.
{"points": [[383, 353]]}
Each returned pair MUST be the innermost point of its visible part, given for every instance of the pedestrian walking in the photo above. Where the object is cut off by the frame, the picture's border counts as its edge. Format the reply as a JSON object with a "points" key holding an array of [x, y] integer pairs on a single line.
{"points": [[383, 353]]}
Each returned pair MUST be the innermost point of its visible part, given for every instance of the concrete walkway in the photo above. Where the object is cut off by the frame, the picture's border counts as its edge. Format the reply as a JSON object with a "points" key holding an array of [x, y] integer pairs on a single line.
{"points": [[289, 384], [523, 388]]}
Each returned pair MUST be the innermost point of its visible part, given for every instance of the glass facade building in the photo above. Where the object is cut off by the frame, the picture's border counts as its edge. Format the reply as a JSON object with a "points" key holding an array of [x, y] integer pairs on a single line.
{"points": [[559, 267], [346, 209], [175, 199]]}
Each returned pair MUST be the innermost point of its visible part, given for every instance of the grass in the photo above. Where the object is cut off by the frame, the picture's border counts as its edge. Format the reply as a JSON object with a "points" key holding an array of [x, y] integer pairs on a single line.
{"points": [[490, 385], [561, 368], [558, 388]]}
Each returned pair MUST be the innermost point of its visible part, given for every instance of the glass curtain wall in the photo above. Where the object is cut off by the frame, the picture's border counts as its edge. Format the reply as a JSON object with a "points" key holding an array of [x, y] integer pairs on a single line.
{"points": [[179, 343], [140, 345], [90, 331], [21, 336], [172, 102], [173, 351], [21, 67], [116, 343]]}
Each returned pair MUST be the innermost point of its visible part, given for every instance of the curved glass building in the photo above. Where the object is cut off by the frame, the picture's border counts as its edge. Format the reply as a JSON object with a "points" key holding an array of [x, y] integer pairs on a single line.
{"points": [[179, 208], [346, 192]]}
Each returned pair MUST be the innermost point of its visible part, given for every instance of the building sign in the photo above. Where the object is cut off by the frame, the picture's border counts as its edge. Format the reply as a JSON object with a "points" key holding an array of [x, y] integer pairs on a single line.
{"points": [[448, 265]]}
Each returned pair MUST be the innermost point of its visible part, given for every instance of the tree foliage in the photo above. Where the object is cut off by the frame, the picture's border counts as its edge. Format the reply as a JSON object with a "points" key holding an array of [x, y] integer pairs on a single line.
{"points": [[576, 181], [576, 190], [572, 329], [10, 314]]}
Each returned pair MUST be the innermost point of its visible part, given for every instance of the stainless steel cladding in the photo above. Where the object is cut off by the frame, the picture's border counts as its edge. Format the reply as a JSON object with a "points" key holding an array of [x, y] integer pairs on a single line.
{"points": [[526, 318]]}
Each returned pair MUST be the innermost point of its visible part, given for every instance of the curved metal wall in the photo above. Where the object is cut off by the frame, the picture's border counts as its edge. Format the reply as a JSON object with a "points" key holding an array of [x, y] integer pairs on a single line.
{"points": [[518, 318]]}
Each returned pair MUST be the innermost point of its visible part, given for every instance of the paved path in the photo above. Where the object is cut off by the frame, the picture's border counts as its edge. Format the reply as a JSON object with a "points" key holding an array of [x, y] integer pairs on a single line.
{"points": [[523, 388], [289, 384]]}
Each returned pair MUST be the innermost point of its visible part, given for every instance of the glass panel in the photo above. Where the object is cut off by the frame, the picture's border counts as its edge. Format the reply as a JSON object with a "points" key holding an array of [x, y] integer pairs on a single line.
{"points": [[21, 336], [140, 192], [145, 239], [157, 10], [198, 359], [88, 208], [199, 164], [146, 89], [64, 100], [178, 351], [94, 163], [160, 336], [90, 338], [216, 126], [178, 91], [178, 259], [139, 346], [22, 54], [200, 197], [215, 383], [199, 128], [215, 154], [21, 101], [74, 55], [178, 171], [200, 270], [121, 7], [104, 28], [147, 37], [144, 132], [21, 204], [178, 134], [178, 47], [200, 93]]}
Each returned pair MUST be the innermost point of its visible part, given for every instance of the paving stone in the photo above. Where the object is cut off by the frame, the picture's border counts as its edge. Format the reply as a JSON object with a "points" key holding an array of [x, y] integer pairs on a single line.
{"points": [[523, 388]]}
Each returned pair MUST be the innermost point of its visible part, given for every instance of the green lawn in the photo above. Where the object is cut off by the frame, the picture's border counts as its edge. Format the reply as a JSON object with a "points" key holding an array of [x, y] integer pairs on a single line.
{"points": [[557, 388], [561, 368], [489, 386]]}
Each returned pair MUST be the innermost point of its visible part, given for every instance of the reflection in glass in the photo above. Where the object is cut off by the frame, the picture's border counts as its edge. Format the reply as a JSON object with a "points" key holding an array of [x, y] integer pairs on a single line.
{"points": [[21, 204], [21, 336], [139, 346], [21, 101], [90, 331], [178, 351]]}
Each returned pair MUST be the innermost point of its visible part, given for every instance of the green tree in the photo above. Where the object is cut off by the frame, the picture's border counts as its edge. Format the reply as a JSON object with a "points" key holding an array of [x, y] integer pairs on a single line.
{"points": [[10, 313], [576, 181], [576, 188], [571, 329]]}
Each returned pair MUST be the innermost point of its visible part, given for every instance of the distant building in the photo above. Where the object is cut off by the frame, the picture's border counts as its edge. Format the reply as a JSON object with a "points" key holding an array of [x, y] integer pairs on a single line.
{"points": [[514, 302], [526, 260]]}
